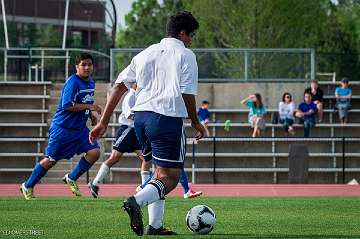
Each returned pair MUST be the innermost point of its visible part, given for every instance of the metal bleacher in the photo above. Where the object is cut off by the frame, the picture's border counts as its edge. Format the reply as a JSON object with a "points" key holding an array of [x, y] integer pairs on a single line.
{"points": [[23, 125], [24, 119]]}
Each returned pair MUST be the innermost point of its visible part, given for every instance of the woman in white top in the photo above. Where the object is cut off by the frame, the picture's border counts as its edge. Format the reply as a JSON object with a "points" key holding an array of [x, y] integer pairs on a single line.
{"points": [[286, 113]]}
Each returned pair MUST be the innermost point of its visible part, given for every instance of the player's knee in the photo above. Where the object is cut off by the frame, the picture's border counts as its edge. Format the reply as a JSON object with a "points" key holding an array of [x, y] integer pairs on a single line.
{"points": [[92, 155], [47, 163], [113, 159]]}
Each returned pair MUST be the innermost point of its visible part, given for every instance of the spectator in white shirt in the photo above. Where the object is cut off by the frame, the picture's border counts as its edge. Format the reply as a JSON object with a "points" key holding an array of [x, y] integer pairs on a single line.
{"points": [[286, 113]]}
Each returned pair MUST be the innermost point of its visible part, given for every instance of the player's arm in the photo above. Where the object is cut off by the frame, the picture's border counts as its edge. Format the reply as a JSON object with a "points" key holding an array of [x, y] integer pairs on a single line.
{"points": [[122, 84], [81, 107], [188, 87], [190, 104], [93, 118], [114, 98]]}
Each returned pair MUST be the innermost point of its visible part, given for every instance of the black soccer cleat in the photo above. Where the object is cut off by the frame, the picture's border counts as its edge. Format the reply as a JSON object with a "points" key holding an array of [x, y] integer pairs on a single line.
{"points": [[93, 189], [160, 231], [134, 212]]}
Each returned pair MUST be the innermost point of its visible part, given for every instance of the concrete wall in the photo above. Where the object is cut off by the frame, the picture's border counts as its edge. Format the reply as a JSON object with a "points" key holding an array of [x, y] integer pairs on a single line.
{"points": [[229, 95]]}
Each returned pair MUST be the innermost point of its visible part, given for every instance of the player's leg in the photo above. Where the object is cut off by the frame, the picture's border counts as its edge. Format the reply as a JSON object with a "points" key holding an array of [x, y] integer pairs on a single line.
{"points": [[103, 171], [157, 208], [58, 148], [92, 154], [145, 172], [188, 192], [167, 142], [38, 172]]}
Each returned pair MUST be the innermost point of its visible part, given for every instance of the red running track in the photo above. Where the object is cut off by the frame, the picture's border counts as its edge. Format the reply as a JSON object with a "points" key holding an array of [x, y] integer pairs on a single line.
{"points": [[207, 189]]}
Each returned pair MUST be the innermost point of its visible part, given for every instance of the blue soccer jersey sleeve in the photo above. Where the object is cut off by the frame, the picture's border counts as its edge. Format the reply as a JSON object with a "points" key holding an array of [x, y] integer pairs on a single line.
{"points": [[69, 93]]}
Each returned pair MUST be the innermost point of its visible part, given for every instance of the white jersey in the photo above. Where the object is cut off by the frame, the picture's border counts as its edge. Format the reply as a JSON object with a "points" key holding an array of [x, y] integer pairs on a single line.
{"points": [[163, 72], [127, 104]]}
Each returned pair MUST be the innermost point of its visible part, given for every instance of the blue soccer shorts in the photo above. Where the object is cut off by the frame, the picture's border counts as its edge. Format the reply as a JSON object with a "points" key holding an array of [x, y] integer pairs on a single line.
{"points": [[65, 143], [162, 138], [126, 140]]}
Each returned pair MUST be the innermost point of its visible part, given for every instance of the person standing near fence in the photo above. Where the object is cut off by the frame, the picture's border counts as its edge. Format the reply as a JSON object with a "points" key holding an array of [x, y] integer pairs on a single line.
{"points": [[68, 133], [343, 97]]}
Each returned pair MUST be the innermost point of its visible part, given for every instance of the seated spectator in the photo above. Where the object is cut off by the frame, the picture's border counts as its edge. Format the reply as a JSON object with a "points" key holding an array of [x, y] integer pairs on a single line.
{"points": [[204, 115], [256, 113], [307, 113], [317, 96], [343, 97], [286, 113]]}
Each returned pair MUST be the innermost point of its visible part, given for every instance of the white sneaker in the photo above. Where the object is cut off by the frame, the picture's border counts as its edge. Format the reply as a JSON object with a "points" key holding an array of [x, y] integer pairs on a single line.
{"points": [[192, 194]]}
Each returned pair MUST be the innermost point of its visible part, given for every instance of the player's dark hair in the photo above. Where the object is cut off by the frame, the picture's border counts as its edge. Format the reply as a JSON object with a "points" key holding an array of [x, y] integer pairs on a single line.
{"points": [[258, 99], [205, 102], [181, 21], [83, 56], [285, 94]]}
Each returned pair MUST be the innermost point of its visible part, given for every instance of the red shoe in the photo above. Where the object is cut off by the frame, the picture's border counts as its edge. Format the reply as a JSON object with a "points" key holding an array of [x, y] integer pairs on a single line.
{"points": [[192, 194]]}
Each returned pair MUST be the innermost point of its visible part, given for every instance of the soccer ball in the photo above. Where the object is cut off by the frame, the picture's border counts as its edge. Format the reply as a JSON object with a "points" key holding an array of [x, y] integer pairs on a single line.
{"points": [[201, 219]]}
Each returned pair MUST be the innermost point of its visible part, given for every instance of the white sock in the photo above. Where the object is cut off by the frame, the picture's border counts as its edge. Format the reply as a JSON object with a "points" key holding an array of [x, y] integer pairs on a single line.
{"points": [[145, 175], [103, 171], [150, 193], [156, 213]]}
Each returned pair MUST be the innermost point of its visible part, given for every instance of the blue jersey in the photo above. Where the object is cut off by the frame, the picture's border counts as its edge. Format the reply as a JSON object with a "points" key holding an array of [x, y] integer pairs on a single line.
{"points": [[343, 92], [75, 90], [203, 114], [303, 107]]}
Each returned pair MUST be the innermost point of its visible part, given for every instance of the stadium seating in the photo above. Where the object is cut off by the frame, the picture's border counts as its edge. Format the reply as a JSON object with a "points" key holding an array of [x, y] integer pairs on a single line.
{"points": [[27, 108]]}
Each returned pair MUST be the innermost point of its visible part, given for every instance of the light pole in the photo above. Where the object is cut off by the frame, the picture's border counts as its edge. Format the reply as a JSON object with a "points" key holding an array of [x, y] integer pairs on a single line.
{"points": [[88, 13]]}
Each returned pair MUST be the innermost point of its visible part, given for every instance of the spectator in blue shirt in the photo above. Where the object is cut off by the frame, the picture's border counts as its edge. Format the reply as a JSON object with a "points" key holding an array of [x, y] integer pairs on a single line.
{"points": [[307, 111], [343, 96], [257, 111], [204, 115]]}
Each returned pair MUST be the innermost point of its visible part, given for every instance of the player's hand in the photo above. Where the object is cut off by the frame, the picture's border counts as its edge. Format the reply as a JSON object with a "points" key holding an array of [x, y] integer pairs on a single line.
{"points": [[98, 131], [200, 130], [96, 108]]}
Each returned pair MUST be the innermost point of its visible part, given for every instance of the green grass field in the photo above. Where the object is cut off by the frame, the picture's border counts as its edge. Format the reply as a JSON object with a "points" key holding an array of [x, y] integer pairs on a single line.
{"points": [[256, 217]]}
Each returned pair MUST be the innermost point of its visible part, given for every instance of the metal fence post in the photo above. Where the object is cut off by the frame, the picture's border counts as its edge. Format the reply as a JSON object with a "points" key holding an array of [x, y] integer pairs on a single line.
{"points": [[5, 64], [214, 160], [29, 64], [111, 65], [312, 55], [193, 163], [42, 65], [343, 160], [67, 60], [246, 55]]}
